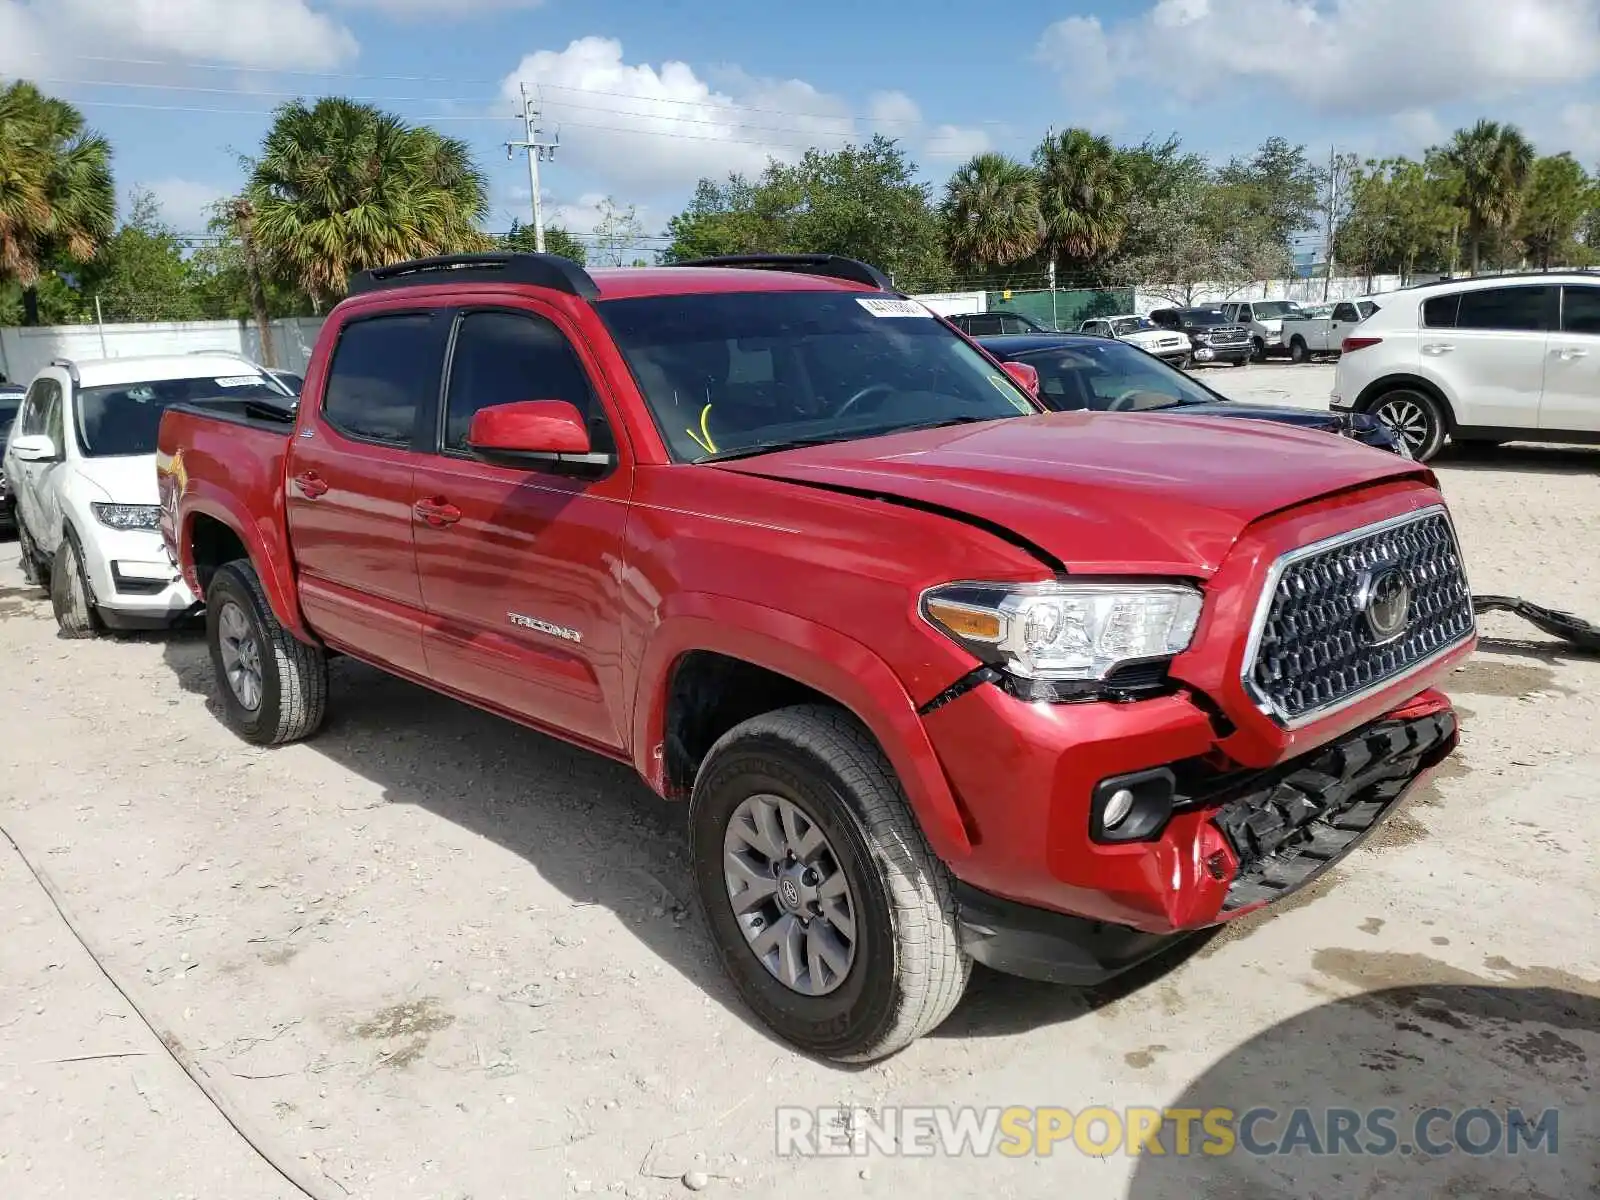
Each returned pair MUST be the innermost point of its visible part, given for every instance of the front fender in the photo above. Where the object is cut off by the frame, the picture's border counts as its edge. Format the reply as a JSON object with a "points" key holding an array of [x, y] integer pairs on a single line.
{"points": [[823, 659]]}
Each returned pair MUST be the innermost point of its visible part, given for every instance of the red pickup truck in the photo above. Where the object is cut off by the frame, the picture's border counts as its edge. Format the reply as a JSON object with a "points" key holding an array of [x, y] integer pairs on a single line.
{"points": [[942, 676]]}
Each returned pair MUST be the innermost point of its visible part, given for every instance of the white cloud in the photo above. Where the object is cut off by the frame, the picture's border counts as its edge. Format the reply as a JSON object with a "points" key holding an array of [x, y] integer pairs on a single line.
{"points": [[955, 143], [641, 128], [1418, 129], [39, 35], [185, 203], [1338, 56], [410, 9], [1580, 128]]}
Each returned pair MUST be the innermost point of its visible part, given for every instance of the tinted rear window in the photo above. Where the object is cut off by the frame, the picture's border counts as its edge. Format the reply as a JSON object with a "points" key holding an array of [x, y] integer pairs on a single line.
{"points": [[1512, 308], [384, 369], [1440, 311]]}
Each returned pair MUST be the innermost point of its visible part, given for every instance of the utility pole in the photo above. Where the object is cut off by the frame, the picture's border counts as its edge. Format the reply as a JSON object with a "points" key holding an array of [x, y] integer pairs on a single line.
{"points": [[1333, 193], [538, 150]]}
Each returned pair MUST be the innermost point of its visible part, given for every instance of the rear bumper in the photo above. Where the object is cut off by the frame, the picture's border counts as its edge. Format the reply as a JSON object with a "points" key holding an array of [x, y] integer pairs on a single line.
{"points": [[1041, 899]]}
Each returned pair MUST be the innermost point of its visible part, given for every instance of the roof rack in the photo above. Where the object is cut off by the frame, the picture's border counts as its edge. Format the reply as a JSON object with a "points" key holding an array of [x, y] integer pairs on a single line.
{"points": [[830, 266], [536, 270]]}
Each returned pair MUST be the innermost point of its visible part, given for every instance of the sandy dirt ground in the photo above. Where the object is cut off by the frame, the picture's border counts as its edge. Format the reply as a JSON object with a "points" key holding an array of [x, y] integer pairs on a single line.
{"points": [[432, 955]]}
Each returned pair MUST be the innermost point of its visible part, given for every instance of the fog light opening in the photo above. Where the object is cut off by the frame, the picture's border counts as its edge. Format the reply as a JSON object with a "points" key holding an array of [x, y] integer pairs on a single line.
{"points": [[1132, 808]]}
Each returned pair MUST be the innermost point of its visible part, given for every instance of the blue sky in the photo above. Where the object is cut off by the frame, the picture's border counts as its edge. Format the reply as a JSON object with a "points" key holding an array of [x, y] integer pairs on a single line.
{"points": [[649, 96]]}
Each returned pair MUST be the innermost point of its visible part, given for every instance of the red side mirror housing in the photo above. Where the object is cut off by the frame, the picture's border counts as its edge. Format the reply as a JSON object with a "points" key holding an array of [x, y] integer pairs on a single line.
{"points": [[528, 427], [1024, 376]]}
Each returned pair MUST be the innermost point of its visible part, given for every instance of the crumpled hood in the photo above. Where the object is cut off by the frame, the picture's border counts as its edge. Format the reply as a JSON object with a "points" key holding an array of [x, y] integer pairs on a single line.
{"points": [[125, 479], [1102, 492]]}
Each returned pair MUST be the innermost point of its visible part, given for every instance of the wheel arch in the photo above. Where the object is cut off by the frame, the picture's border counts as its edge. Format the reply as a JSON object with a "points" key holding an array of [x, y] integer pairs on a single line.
{"points": [[711, 640], [212, 528], [1378, 388]]}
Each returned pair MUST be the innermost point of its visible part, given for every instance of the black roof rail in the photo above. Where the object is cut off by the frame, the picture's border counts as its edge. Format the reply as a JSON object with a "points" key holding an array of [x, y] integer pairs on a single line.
{"points": [[829, 266], [70, 367], [536, 270]]}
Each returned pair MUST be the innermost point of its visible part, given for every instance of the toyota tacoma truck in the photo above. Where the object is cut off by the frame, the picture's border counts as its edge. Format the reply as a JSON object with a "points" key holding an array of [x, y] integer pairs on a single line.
{"points": [[943, 677]]}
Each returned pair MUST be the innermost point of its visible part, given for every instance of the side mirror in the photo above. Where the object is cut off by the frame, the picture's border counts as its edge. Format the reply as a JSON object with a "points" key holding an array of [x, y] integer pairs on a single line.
{"points": [[1024, 376], [533, 433], [35, 447]]}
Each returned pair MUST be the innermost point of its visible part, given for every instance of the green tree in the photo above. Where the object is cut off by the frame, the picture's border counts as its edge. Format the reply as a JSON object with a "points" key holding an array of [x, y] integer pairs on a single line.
{"points": [[221, 276], [342, 187], [57, 201], [1195, 243], [1560, 194], [1491, 163], [1159, 172], [863, 202], [556, 241], [1084, 186], [991, 213], [140, 273], [1277, 190]]}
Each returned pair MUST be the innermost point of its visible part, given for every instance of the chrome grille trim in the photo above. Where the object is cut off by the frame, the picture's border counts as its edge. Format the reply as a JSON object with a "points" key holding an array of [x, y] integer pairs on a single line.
{"points": [[1445, 591]]}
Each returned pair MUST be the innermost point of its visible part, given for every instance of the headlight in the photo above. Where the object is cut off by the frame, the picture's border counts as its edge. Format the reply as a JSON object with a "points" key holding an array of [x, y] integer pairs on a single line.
{"points": [[1066, 632], [127, 516]]}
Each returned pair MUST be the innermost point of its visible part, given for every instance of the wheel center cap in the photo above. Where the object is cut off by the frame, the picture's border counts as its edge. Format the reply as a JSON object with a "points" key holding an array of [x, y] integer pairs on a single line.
{"points": [[789, 893]]}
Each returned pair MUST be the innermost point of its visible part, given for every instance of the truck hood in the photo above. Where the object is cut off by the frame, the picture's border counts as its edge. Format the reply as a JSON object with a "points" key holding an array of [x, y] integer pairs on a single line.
{"points": [[125, 479], [1101, 493]]}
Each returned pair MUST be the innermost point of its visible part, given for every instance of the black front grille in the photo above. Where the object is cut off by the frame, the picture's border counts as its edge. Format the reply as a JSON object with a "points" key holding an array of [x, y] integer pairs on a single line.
{"points": [[1317, 646]]}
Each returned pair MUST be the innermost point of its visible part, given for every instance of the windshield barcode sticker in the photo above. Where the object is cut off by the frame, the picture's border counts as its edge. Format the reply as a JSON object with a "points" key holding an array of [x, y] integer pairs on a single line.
{"points": [[894, 308], [239, 381]]}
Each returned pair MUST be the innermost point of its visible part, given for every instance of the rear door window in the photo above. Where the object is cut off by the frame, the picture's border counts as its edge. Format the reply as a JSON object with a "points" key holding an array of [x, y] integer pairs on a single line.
{"points": [[1440, 311], [385, 371], [1514, 309], [1345, 312]]}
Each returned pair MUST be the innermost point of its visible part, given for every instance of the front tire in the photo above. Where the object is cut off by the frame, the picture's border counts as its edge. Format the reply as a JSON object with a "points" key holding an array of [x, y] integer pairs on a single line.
{"points": [[71, 596], [274, 687], [1299, 352], [830, 913], [1414, 417], [33, 572], [1260, 354]]}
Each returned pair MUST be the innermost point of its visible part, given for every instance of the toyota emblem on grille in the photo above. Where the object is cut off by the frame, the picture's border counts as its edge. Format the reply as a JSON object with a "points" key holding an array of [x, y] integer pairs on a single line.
{"points": [[1385, 601]]}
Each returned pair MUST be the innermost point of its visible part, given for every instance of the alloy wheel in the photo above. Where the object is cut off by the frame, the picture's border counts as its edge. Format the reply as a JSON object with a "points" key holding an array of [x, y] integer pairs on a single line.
{"points": [[1408, 420], [790, 894], [241, 655]]}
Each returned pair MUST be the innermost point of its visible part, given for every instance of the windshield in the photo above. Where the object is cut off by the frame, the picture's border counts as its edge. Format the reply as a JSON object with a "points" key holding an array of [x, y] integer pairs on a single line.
{"points": [[123, 419], [1129, 325], [730, 372], [1203, 316], [1271, 310], [1112, 377]]}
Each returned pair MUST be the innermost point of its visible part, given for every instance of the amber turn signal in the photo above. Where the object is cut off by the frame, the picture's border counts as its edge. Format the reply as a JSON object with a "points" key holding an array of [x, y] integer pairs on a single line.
{"points": [[964, 622]]}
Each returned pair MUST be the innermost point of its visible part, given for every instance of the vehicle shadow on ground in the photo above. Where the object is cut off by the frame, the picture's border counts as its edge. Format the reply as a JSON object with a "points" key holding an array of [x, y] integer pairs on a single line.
{"points": [[1531, 459], [1386, 1057], [589, 826]]}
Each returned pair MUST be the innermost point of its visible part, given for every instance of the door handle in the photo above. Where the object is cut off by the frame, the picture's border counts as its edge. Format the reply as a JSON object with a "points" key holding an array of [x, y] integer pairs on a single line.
{"points": [[437, 512], [1568, 353], [1437, 348], [311, 485]]}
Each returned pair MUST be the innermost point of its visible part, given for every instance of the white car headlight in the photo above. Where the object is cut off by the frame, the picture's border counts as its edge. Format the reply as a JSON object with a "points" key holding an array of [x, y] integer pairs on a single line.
{"points": [[1066, 631], [127, 516]]}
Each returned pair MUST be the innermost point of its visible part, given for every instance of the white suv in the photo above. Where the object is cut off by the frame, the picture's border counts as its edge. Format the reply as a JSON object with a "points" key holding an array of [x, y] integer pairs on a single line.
{"points": [[1493, 359], [81, 461]]}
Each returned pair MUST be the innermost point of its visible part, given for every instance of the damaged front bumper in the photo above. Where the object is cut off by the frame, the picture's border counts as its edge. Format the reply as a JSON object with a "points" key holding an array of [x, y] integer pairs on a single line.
{"points": [[1256, 836]]}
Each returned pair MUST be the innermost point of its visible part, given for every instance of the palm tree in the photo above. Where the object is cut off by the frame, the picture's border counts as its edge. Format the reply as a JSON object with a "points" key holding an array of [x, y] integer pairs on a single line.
{"points": [[991, 213], [1083, 192], [56, 194], [1492, 163], [342, 187]]}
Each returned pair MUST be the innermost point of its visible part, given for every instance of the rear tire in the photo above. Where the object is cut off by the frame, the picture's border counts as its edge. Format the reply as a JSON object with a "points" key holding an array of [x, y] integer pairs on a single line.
{"points": [[1260, 350], [273, 686], [1415, 417], [71, 596], [886, 965], [1299, 352]]}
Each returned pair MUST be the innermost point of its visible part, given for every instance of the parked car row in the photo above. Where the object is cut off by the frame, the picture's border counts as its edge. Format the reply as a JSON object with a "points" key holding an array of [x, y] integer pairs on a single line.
{"points": [[949, 665]]}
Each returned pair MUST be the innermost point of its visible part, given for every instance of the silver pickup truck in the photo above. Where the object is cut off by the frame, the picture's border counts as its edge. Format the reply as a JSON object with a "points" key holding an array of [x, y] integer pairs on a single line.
{"points": [[1307, 337]]}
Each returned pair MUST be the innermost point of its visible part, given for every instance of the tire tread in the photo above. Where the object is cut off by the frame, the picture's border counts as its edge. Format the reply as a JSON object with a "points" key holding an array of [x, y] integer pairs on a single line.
{"points": [[301, 669]]}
